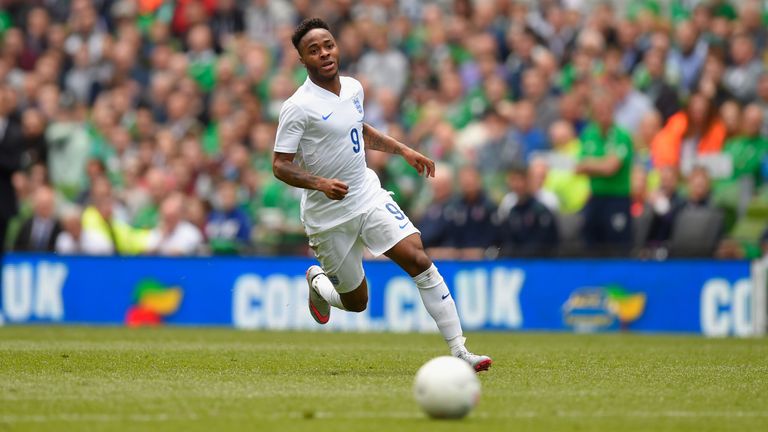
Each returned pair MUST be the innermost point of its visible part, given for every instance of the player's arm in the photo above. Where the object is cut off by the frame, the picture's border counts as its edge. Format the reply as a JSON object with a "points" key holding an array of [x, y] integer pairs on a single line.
{"points": [[285, 170], [376, 140], [599, 167]]}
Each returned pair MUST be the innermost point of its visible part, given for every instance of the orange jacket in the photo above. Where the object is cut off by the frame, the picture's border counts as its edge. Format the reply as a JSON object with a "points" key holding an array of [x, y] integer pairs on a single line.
{"points": [[667, 144]]}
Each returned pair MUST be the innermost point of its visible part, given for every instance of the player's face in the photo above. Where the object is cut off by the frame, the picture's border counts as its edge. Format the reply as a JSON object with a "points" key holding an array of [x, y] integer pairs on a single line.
{"points": [[320, 54]]}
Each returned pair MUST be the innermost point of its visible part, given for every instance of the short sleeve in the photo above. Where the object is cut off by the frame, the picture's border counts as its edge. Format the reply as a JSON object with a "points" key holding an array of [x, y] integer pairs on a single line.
{"points": [[290, 128]]}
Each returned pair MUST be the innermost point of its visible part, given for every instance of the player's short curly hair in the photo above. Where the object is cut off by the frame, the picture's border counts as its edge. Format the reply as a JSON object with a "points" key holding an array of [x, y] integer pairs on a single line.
{"points": [[304, 28]]}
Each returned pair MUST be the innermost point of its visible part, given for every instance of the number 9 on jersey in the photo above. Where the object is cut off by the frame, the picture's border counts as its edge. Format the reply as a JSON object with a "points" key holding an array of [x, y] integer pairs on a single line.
{"points": [[354, 135]]}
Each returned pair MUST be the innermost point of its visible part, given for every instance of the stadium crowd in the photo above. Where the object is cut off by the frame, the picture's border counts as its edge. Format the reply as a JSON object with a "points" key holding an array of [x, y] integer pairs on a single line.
{"points": [[560, 128]]}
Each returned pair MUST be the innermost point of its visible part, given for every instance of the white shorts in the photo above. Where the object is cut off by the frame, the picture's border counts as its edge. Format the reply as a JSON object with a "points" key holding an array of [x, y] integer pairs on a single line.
{"points": [[340, 249]]}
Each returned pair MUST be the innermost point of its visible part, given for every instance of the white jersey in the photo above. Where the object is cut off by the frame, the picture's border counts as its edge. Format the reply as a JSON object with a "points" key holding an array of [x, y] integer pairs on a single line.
{"points": [[325, 132]]}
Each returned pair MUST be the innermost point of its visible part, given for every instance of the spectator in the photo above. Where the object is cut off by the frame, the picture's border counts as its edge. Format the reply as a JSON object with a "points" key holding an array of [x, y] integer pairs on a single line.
{"points": [[452, 102], [86, 32], [764, 242], [555, 29], [742, 76], [570, 189], [631, 105], [697, 130], [699, 188], [174, 236], [383, 108], [181, 120], [749, 148], [441, 143], [638, 191], [751, 15], [196, 212], [649, 127], [629, 43], [686, 59], [34, 41], [762, 101], [471, 216], [201, 56], [68, 147], [572, 111], [538, 172], [523, 43], [502, 146], [730, 112], [263, 19], [226, 22], [606, 158], [526, 132], [651, 79], [93, 168], [35, 148], [384, 66], [221, 107], [529, 227], [11, 147], [710, 82], [537, 92], [155, 188], [229, 228], [39, 232], [69, 240], [104, 232], [665, 204], [435, 222]]}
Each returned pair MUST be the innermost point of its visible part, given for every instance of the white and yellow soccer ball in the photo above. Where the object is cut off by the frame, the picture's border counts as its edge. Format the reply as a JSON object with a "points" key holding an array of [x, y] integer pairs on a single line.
{"points": [[447, 388]]}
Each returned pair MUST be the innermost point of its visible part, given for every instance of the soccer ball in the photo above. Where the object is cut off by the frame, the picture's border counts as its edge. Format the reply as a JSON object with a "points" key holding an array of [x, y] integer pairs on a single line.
{"points": [[446, 387]]}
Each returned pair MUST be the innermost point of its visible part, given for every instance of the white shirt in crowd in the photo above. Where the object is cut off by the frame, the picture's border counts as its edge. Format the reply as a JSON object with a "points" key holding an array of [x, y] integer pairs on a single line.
{"points": [[185, 239], [67, 244], [95, 242]]}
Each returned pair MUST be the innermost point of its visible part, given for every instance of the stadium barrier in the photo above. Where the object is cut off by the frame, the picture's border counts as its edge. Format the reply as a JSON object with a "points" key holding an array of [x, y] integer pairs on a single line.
{"points": [[760, 296], [714, 298]]}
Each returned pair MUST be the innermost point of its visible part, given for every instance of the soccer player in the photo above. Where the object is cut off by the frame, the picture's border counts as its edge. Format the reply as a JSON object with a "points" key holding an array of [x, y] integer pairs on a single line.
{"points": [[320, 147]]}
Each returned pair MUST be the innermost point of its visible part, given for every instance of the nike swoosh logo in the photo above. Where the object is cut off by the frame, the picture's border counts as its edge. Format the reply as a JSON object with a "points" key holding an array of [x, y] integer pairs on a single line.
{"points": [[404, 225], [445, 296], [325, 117], [320, 317]]}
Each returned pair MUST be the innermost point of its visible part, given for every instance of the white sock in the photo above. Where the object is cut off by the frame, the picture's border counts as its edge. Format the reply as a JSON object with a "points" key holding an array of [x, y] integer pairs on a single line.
{"points": [[325, 288], [442, 308]]}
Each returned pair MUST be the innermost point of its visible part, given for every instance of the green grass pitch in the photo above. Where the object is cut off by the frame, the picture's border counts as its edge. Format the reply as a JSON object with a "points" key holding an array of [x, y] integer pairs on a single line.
{"points": [[190, 379]]}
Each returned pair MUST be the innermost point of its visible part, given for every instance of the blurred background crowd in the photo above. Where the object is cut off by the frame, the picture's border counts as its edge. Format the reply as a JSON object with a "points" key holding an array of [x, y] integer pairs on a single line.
{"points": [[560, 128]]}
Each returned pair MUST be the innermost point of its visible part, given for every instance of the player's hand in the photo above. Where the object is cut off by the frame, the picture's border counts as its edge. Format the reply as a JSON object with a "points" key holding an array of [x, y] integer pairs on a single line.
{"points": [[424, 165], [334, 189]]}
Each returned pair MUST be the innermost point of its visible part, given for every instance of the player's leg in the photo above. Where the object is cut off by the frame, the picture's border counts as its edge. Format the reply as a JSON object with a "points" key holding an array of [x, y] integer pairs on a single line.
{"points": [[322, 286], [387, 230], [339, 281], [409, 254]]}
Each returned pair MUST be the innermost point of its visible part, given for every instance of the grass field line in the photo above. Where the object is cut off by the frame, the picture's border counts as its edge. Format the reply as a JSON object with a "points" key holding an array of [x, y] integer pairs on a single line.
{"points": [[213, 392], [323, 415], [29, 345]]}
